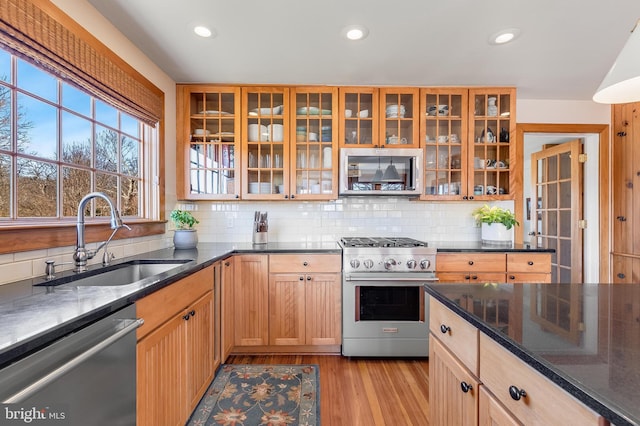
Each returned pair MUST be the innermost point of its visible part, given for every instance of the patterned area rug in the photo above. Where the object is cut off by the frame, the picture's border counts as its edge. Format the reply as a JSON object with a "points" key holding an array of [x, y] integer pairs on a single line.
{"points": [[273, 395]]}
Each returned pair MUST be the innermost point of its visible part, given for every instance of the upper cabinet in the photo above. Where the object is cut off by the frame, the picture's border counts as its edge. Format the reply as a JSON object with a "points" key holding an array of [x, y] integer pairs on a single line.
{"points": [[314, 149], [282, 142], [468, 139], [207, 140], [265, 142], [379, 118], [359, 115]]}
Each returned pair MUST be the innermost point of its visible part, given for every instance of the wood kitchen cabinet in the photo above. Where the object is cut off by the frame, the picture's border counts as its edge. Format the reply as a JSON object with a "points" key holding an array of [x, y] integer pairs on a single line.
{"points": [[512, 267], [287, 303], [468, 139], [399, 117], [314, 149], [265, 141], [207, 142], [358, 108], [251, 300], [473, 380], [227, 281], [626, 192], [175, 350], [305, 293]]}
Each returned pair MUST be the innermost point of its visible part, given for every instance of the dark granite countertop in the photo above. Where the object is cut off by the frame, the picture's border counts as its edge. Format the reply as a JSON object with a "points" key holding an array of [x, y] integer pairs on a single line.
{"points": [[477, 246], [583, 337], [34, 316]]}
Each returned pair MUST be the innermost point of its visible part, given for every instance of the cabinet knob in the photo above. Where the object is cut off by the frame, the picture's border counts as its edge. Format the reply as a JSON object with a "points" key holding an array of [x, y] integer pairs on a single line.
{"points": [[192, 313], [286, 197], [621, 133], [237, 196], [530, 263], [467, 277], [186, 317], [308, 277], [444, 329], [474, 277], [293, 196], [227, 263], [466, 387], [621, 218], [516, 393], [621, 275], [471, 262], [305, 263], [471, 197], [512, 277], [301, 278], [465, 197]]}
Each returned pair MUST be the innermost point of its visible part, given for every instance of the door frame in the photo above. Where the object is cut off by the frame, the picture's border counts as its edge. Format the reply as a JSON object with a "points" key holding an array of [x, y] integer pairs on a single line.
{"points": [[604, 178]]}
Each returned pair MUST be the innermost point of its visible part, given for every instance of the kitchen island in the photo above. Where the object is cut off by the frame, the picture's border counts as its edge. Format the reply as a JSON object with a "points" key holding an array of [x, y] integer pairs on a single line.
{"points": [[583, 338]]}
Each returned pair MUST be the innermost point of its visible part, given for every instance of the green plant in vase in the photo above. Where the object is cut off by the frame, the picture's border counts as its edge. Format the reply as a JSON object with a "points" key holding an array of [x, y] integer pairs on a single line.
{"points": [[185, 236]]}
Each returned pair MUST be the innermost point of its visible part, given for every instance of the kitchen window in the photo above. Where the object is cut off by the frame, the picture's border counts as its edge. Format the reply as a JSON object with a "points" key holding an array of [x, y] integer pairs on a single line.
{"points": [[58, 143]]}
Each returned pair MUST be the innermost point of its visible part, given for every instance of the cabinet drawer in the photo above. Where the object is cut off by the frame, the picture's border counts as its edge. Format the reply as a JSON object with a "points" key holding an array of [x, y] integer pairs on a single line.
{"points": [[158, 307], [471, 277], [523, 277], [545, 403], [529, 262], [459, 262], [304, 263], [460, 337]]}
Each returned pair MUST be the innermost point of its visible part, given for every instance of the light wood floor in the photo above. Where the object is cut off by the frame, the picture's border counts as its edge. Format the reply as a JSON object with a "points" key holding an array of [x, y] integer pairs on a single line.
{"points": [[363, 391]]}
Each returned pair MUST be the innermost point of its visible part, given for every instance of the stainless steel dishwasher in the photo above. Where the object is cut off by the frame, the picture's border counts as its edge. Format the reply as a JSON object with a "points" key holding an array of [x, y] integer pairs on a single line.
{"points": [[86, 377]]}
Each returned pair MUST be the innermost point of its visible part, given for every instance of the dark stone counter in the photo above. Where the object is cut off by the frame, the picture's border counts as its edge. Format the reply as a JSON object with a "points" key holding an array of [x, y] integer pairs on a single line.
{"points": [[583, 337], [34, 316], [477, 246]]}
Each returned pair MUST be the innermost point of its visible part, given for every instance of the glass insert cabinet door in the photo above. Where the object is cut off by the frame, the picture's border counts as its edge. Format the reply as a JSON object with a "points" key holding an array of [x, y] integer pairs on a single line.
{"points": [[399, 110], [359, 112], [211, 132], [314, 147], [265, 129], [444, 126], [492, 126]]}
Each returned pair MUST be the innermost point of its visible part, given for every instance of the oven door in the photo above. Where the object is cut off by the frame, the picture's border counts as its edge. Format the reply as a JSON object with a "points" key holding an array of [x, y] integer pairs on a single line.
{"points": [[385, 318]]}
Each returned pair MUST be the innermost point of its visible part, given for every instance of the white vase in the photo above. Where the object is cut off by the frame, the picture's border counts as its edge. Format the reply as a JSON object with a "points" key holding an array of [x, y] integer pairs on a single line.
{"points": [[496, 234], [185, 239]]}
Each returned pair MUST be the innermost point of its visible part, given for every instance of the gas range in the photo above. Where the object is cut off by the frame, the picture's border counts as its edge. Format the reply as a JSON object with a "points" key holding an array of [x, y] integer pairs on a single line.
{"points": [[386, 254]]}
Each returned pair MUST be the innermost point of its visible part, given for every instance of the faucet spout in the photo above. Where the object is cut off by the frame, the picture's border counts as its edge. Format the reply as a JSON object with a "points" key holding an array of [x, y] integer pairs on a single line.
{"points": [[82, 255]]}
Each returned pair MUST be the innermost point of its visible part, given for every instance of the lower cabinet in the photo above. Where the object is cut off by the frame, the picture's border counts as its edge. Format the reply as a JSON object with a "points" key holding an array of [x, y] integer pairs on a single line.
{"points": [[226, 308], [491, 412], [625, 269], [505, 391], [287, 303], [475, 267], [453, 389], [175, 349]]}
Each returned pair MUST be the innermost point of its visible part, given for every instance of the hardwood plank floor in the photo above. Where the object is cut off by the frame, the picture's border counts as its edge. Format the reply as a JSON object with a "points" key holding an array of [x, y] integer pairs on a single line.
{"points": [[363, 391]]}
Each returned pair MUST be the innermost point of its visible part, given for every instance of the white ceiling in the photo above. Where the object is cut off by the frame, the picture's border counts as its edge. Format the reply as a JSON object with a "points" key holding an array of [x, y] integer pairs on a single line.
{"points": [[563, 52]]}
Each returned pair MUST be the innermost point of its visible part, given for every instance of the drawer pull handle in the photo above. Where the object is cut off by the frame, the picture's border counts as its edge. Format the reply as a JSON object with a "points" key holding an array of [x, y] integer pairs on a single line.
{"points": [[466, 387], [444, 329], [530, 263], [471, 262], [512, 277], [516, 393]]}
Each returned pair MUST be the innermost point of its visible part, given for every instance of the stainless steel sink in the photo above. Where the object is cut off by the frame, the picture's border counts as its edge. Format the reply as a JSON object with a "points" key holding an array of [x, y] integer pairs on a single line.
{"points": [[120, 274]]}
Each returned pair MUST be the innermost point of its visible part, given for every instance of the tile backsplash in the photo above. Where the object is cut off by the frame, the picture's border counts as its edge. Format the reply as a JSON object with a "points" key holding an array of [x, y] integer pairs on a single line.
{"points": [[289, 221], [316, 221]]}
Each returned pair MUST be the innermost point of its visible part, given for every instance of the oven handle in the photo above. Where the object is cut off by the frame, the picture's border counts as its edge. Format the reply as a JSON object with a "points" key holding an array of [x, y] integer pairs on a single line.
{"points": [[388, 278], [34, 387]]}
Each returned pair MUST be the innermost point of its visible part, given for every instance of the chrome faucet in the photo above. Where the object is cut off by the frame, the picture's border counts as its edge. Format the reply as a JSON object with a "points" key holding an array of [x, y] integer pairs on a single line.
{"points": [[81, 254]]}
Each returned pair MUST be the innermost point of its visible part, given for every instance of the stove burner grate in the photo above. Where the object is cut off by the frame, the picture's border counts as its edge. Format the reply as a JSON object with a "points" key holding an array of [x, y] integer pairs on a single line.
{"points": [[381, 242]]}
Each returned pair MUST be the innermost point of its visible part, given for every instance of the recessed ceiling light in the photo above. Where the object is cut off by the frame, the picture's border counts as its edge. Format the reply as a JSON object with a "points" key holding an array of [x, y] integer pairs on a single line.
{"points": [[504, 36], [355, 32], [202, 31]]}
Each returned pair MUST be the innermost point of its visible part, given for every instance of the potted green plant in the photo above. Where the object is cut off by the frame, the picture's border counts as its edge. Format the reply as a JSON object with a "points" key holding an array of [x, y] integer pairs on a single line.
{"points": [[185, 236], [497, 224]]}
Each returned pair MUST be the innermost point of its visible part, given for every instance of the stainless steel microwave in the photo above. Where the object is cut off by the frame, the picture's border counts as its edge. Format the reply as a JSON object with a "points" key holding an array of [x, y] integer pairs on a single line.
{"points": [[380, 171]]}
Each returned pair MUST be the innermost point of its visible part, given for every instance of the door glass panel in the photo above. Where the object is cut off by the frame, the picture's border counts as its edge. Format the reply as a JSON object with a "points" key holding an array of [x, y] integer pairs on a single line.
{"points": [[565, 224], [565, 195], [565, 165]]}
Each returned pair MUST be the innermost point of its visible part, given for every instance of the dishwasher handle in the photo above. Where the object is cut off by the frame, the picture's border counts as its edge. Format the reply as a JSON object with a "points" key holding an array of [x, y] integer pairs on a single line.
{"points": [[72, 363]]}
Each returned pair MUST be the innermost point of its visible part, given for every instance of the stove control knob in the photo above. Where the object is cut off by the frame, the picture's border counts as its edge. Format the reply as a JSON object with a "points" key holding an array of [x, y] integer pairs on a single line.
{"points": [[411, 264], [425, 264], [355, 263], [368, 263], [389, 263]]}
